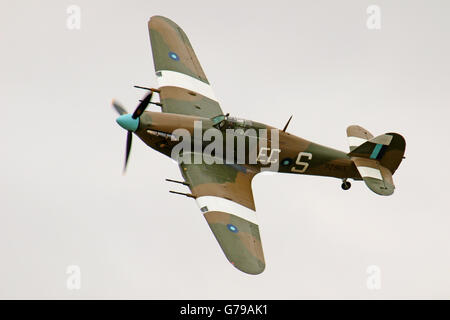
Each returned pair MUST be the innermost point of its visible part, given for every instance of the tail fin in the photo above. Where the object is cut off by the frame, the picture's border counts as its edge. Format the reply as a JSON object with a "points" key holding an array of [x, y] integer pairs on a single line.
{"points": [[377, 158]]}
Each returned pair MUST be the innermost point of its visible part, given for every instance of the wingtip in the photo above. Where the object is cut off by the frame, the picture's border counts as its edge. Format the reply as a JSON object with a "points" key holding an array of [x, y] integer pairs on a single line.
{"points": [[252, 271], [157, 19]]}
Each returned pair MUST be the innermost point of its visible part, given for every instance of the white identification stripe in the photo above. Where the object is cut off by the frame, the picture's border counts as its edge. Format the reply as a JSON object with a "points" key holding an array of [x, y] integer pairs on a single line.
{"points": [[370, 172], [356, 141], [168, 78], [228, 206], [383, 139]]}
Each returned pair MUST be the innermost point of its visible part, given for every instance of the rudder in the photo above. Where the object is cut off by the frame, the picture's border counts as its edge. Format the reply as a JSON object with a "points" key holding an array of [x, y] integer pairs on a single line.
{"points": [[377, 158]]}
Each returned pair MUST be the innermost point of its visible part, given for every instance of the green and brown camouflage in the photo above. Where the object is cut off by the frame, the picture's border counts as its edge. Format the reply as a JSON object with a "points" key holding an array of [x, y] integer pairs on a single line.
{"points": [[377, 158], [167, 37], [181, 101], [324, 161], [223, 189]]}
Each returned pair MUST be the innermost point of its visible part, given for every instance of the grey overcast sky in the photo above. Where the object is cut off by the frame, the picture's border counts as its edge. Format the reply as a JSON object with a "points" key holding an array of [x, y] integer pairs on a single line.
{"points": [[65, 202]]}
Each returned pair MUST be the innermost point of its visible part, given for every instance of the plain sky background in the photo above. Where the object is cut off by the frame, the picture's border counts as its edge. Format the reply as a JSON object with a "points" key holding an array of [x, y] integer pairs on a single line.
{"points": [[64, 200]]}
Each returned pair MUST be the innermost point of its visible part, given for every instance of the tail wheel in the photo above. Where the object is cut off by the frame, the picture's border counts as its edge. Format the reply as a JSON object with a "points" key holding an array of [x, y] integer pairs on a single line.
{"points": [[346, 185]]}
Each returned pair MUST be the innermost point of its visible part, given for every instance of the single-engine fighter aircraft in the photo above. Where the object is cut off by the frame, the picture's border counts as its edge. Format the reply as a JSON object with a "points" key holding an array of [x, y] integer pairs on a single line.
{"points": [[223, 191]]}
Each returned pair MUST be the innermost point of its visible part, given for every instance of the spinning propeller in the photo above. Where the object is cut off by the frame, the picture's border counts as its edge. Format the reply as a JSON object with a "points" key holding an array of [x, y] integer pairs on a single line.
{"points": [[130, 122]]}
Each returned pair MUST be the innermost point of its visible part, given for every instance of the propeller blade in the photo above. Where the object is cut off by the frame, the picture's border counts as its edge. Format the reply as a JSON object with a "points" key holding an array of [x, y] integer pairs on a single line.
{"points": [[119, 108], [136, 114], [142, 106], [128, 149]]}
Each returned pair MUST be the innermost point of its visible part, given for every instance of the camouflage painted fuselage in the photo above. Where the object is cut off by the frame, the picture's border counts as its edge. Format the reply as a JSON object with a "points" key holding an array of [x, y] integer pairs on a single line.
{"points": [[294, 154]]}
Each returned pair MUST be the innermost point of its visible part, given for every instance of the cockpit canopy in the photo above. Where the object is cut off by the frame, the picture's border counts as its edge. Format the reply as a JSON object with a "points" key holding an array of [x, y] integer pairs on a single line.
{"points": [[221, 121]]}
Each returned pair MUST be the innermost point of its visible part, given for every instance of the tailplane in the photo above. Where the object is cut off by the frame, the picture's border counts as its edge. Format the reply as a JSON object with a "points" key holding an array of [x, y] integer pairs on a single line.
{"points": [[376, 158]]}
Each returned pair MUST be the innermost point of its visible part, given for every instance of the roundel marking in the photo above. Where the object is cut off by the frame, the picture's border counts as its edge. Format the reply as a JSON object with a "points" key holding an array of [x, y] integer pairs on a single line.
{"points": [[286, 162], [173, 56], [232, 228]]}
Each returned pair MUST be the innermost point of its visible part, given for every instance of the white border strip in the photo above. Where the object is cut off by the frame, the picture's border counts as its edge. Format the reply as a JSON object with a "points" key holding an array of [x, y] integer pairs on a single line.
{"points": [[228, 206], [356, 141], [168, 78], [370, 172], [383, 139]]}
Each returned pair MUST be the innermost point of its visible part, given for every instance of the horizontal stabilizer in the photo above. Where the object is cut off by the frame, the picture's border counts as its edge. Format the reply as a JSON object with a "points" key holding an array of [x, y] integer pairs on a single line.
{"points": [[377, 178], [357, 136], [374, 148]]}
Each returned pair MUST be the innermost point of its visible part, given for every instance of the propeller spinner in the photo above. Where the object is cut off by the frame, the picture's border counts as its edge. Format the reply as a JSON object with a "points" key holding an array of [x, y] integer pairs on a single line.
{"points": [[130, 122]]}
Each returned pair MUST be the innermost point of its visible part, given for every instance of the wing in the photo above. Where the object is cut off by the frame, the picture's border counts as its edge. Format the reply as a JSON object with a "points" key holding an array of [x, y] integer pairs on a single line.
{"points": [[224, 196], [183, 84]]}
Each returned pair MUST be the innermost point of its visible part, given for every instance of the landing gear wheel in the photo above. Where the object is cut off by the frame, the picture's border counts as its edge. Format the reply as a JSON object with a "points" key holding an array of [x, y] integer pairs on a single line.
{"points": [[346, 185]]}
